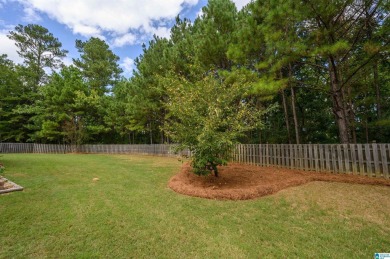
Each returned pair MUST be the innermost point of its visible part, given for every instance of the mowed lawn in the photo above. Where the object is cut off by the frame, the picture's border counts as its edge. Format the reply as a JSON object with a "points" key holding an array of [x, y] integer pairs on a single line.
{"points": [[130, 213]]}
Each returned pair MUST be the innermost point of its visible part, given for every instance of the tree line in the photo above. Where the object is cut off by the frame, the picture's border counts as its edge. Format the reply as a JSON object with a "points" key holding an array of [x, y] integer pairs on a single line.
{"points": [[274, 72]]}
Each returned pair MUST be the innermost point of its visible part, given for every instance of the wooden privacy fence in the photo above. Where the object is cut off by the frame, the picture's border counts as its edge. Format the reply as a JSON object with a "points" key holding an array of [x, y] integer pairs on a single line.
{"points": [[360, 159], [155, 149]]}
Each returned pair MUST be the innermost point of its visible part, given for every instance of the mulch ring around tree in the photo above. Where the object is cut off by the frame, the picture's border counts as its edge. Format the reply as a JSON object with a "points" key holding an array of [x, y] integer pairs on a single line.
{"points": [[244, 182], [7, 186]]}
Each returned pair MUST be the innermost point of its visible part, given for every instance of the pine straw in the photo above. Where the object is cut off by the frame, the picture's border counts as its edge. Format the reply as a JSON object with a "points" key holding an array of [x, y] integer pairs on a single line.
{"points": [[244, 182]]}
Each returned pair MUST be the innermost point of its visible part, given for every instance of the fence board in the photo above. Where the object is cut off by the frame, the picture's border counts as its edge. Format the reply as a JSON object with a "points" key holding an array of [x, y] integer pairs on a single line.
{"points": [[316, 158], [299, 157], [327, 158], [241, 154], [346, 149], [251, 154], [309, 157], [360, 158], [340, 167], [363, 159], [321, 159], [377, 170], [305, 157], [254, 154], [384, 160], [353, 158], [293, 157], [368, 159]]}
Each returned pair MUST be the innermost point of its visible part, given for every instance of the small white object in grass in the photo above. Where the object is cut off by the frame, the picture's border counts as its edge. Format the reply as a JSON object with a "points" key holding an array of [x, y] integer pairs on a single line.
{"points": [[95, 179]]}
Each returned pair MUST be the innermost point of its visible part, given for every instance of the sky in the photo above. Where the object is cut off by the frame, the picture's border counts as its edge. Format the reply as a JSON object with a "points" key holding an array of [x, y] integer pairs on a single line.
{"points": [[123, 24]]}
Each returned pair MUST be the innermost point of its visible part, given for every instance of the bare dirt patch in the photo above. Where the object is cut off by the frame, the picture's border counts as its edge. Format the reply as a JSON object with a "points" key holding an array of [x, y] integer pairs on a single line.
{"points": [[243, 182]]}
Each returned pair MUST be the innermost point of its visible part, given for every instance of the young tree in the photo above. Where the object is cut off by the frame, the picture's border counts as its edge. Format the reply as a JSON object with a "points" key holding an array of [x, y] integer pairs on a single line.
{"points": [[209, 116]]}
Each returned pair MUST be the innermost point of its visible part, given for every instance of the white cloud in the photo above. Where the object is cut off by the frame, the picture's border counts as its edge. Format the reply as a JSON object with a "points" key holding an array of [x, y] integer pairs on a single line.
{"points": [[2, 3], [88, 31], [8, 47], [126, 39], [128, 66], [67, 61], [241, 3], [30, 15], [118, 17], [162, 32], [199, 13]]}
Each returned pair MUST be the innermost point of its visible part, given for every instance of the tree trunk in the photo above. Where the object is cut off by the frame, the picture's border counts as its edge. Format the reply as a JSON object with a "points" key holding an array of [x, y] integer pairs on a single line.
{"points": [[259, 136], [369, 25], [216, 173], [151, 133], [338, 103], [295, 116], [297, 138], [377, 91], [351, 114], [286, 116]]}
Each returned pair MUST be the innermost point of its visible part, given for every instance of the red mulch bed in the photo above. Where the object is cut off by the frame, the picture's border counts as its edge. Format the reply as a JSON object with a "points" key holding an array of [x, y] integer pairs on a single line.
{"points": [[244, 182]]}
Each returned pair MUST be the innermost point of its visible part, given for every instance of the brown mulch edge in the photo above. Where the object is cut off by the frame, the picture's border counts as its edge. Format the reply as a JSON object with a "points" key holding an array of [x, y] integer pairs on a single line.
{"points": [[244, 182]]}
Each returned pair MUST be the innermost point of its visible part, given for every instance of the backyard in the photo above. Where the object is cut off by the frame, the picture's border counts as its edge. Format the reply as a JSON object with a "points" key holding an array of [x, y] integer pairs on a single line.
{"points": [[129, 211]]}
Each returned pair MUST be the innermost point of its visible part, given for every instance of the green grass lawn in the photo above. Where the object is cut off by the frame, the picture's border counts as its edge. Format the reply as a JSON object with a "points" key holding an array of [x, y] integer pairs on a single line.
{"points": [[130, 212]]}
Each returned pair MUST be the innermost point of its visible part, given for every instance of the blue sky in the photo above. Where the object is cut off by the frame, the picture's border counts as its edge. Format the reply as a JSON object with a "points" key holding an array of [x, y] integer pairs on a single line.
{"points": [[123, 24]]}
